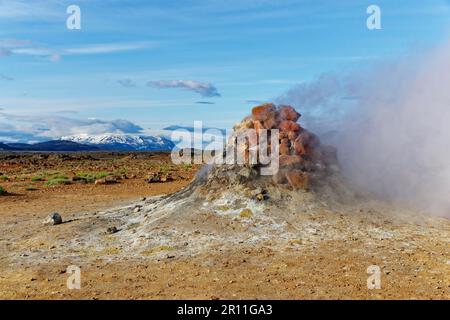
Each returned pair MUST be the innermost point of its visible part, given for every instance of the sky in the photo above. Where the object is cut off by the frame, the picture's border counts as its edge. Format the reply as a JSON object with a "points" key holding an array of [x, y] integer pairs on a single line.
{"points": [[137, 66]]}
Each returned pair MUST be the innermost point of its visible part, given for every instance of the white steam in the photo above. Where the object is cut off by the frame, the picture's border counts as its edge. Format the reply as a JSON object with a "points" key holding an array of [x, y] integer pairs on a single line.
{"points": [[391, 125]]}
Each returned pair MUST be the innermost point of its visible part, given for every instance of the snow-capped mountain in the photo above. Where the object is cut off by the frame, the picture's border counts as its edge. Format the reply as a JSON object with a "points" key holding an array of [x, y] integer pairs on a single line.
{"points": [[123, 142]]}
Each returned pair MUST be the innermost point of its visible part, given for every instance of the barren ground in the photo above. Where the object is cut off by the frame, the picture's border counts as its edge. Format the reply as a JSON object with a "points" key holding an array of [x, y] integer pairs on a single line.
{"points": [[413, 256]]}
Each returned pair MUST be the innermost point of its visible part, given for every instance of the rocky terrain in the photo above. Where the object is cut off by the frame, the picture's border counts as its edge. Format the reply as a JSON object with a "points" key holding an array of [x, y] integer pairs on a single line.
{"points": [[228, 234]]}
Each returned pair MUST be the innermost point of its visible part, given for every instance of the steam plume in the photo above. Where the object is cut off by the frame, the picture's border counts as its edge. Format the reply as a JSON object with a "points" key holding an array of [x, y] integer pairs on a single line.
{"points": [[391, 125]]}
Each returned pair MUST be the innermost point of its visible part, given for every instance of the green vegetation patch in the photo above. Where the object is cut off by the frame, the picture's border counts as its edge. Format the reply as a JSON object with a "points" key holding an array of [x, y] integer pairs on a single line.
{"points": [[57, 180], [38, 178], [91, 177]]}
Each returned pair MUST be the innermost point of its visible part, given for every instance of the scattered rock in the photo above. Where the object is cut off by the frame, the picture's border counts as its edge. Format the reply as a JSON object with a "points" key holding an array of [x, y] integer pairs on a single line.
{"points": [[160, 177], [112, 230], [100, 181], [260, 197], [260, 194], [264, 112], [53, 219], [298, 179], [107, 180], [289, 113]]}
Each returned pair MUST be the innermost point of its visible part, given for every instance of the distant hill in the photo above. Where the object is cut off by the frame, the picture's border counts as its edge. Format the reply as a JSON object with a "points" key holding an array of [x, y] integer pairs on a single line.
{"points": [[54, 145], [5, 147]]}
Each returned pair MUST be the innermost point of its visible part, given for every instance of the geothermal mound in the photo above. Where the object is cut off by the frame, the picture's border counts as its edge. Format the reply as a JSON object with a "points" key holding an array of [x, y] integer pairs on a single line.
{"points": [[296, 158], [236, 203]]}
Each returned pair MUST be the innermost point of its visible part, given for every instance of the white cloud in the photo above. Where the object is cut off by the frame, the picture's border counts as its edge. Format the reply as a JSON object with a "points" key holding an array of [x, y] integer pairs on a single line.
{"points": [[203, 88], [27, 128]]}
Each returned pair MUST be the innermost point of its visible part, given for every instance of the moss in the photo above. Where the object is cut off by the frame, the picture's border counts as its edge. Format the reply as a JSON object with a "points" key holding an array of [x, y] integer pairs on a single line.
{"points": [[246, 213], [157, 249], [223, 208], [109, 251], [133, 225]]}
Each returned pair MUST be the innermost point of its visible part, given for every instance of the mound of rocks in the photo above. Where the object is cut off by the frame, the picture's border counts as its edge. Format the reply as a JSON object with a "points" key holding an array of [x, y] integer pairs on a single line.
{"points": [[300, 151]]}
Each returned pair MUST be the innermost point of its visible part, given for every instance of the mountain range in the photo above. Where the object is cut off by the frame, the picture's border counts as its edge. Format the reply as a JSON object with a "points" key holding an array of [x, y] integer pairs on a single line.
{"points": [[53, 145], [106, 142]]}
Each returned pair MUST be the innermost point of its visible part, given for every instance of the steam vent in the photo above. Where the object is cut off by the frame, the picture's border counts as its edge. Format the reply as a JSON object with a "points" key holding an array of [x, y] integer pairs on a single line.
{"points": [[300, 151], [303, 162]]}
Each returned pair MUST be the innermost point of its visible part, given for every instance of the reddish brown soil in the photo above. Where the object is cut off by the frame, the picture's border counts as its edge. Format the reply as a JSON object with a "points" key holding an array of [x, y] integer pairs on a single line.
{"points": [[331, 270]]}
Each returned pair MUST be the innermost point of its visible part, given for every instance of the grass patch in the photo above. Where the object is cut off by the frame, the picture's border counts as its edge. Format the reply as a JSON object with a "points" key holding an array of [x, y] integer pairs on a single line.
{"points": [[2, 191], [187, 166], [100, 175], [164, 168], [91, 177], [57, 180], [38, 178], [4, 178], [122, 171], [31, 188]]}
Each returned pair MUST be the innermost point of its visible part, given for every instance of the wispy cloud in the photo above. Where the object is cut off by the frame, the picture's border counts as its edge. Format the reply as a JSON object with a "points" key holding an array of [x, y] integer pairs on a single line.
{"points": [[36, 9], [205, 102], [127, 83], [14, 43], [203, 88], [109, 48], [250, 101], [28, 48], [5, 77]]}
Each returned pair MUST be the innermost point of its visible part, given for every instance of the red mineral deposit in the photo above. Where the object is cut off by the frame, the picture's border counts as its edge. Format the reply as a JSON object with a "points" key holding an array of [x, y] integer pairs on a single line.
{"points": [[264, 111]]}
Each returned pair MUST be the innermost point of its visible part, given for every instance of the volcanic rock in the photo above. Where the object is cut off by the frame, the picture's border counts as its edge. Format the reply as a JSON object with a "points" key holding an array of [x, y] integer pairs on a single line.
{"points": [[53, 219], [289, 113], [264, 112], [160, 177], [298, 179]]}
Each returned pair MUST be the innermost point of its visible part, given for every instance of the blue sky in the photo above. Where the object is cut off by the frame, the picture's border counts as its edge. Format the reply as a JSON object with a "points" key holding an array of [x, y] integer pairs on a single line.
{"points": [[158, 63]]}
